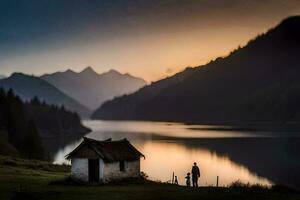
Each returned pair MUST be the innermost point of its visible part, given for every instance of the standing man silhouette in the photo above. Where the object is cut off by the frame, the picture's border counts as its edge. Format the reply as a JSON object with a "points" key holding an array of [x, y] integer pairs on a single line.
{"points": [[195, 174]]}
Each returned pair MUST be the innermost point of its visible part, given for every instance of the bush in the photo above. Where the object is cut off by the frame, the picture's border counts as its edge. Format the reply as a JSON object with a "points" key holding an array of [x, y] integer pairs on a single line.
{"points": [[240, 185]]}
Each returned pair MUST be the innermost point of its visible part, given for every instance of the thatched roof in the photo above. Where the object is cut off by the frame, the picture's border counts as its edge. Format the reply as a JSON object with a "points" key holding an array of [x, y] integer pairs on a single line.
{"points": [[108, 150]]}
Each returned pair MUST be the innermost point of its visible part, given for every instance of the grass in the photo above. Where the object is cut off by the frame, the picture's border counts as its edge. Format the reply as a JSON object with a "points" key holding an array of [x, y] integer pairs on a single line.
{"points": [[23, 179]]}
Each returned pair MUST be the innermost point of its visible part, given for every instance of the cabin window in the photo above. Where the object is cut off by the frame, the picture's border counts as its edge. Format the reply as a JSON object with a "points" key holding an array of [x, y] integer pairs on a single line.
{"points": [[122, 166]]}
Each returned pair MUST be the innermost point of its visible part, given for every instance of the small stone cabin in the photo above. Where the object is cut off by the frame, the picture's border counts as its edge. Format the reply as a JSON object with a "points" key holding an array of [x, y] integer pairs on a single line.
{"points": [[96, 161]]}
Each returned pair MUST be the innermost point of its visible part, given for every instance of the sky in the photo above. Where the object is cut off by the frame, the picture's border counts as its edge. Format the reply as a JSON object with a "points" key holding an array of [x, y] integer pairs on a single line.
{"points": [[151, 39]]}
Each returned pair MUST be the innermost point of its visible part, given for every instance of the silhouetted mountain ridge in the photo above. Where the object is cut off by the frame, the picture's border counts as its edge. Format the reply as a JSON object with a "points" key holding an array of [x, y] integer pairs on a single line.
{"points": [[92, 89], [27, 87], [258, 82]]}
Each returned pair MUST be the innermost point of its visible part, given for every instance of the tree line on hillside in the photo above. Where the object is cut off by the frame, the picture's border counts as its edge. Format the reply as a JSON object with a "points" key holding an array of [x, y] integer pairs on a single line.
{"points": [[26, 123], [22, 133], [53, 119]]}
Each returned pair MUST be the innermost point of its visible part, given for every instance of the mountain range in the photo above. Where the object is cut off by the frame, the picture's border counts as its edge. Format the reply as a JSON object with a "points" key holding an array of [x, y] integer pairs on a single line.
{"points": [[27, 87], [80, 92], [256, 83], [92, 89]]}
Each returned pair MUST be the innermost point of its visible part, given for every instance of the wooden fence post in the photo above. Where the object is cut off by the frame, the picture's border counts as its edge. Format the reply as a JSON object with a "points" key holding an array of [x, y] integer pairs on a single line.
{"points": [[217, 181]]}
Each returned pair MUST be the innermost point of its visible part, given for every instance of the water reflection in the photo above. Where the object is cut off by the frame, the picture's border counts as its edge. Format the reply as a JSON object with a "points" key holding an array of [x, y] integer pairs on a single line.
{"points": [[165, 157], [171, 147], [147, 129]]}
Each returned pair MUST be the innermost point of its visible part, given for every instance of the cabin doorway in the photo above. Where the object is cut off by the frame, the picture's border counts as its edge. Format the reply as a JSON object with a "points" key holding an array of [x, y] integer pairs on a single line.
{"points": [[93, 170]]}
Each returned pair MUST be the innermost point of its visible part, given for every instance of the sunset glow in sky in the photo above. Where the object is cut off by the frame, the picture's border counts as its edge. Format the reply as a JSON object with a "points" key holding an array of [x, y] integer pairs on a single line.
{"points": [[147, 38]]}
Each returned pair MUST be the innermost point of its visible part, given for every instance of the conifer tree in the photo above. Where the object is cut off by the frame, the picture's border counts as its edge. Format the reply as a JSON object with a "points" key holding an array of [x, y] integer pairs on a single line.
{"points": [[16, 121], [32, 146]]}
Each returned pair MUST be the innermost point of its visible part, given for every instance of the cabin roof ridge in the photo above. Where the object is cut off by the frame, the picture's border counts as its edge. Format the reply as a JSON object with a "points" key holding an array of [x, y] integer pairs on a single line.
{"points": [[109, 150], [106, 140]]}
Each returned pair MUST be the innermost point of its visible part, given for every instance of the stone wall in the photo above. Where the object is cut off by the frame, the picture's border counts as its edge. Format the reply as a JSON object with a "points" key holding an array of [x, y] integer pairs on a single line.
{"points": [[80, 169], [107, 171], [112, 171]]}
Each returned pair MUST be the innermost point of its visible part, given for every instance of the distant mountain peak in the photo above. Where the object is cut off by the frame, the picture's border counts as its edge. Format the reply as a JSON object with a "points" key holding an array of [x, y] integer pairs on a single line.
{"points": [[92, 89], [69, 71], [88, 70], [18, 74], [112, 72], [292, 21], [290, 26], [29, 86]]}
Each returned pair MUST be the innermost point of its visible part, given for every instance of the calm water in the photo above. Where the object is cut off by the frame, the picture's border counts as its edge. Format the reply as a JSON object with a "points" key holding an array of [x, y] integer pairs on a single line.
{"points": [[253, 157]]}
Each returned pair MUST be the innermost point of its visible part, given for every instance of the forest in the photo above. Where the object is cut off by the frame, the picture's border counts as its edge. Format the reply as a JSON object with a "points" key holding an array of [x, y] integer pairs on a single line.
{"points": [[24, 125]]}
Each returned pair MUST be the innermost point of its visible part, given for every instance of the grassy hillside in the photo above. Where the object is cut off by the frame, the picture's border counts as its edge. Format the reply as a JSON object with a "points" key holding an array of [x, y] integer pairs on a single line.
{"points": [[21, 179]]}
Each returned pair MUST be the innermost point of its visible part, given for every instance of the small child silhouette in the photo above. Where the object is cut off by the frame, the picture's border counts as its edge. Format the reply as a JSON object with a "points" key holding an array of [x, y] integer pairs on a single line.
{"points": [[176, 181], [188, 179]]}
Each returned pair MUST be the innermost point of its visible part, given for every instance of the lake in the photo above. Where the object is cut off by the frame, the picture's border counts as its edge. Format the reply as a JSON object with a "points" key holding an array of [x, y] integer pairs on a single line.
{"points": [[255, 157]]}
